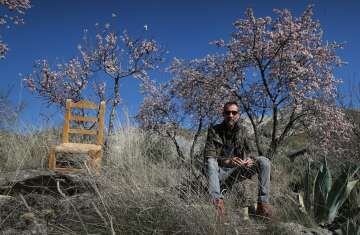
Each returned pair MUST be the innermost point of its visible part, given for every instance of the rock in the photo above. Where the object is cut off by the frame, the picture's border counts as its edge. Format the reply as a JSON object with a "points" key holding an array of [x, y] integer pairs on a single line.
{"points": [[11, 231], [43, 181], [4, 199], [298, 229], [22, 175], [28, 217], [32, 198]]}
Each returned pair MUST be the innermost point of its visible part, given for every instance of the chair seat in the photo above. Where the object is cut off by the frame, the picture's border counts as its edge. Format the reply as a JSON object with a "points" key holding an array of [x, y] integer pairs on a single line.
{"points": [[77, 148]]}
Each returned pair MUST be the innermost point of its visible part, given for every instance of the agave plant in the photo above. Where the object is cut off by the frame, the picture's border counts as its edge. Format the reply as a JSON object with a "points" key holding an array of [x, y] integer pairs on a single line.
{"points": [[328, 196], [350, 228]]}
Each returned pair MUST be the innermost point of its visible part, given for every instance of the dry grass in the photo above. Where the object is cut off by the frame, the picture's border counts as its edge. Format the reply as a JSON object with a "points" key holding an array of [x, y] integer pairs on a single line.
{"points": [[143, 189], [22, 151], [146, 197]]}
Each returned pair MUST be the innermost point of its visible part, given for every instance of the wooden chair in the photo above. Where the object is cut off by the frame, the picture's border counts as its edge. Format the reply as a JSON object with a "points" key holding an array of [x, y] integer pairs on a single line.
{"points": [[94, 151]]}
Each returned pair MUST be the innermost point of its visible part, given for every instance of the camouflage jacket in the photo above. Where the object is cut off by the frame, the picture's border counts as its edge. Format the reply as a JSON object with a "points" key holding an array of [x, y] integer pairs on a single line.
{"points": [[223, 142]]}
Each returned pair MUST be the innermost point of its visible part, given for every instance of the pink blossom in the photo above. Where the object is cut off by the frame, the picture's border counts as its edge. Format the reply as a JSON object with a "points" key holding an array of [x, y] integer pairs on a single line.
{"points": [[14, 8], [114, 59]]}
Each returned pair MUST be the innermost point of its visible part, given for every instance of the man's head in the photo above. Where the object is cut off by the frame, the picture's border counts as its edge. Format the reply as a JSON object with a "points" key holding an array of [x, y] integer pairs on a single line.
{"points": [[231, 113]]}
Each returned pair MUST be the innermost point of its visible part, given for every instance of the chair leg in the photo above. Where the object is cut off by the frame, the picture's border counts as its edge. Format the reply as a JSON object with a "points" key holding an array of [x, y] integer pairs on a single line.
{"points": [[52, 159], [95, 161], [90, 161]]}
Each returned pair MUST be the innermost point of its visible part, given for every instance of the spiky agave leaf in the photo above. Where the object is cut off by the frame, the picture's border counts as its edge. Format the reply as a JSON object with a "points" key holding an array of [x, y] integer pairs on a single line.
{"points": [[307, 188], [339, 192], [350, 228], [322, 186]]}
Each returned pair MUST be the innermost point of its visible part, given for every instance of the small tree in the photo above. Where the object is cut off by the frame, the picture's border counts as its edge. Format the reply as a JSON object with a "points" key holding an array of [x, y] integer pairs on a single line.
{"points": [[189, 100], [9, 112], [111, 55], [275, 66], [195, 85], [329, 128], [66, 81], [121, 56], [160, 113], [281, 72]]}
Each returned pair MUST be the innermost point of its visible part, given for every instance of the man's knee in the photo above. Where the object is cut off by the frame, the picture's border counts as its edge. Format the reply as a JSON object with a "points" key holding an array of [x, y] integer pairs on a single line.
{"points": [[263, 162], [212, 164]]}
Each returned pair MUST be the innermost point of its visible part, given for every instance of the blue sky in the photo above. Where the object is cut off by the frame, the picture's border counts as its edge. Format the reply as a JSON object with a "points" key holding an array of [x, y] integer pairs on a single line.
{"points": [[53, 30]]}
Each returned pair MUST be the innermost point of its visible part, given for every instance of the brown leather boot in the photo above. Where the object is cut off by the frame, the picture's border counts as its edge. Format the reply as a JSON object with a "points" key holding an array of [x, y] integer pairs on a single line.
{"points": [[219, 206], [264, 210]]}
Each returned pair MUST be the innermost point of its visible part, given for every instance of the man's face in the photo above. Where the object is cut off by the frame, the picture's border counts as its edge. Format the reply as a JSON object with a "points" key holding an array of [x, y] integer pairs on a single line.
{"points": [[231, 114]]}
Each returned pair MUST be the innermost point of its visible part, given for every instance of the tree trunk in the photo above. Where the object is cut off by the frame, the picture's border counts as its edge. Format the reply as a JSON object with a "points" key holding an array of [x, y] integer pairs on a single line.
{"points": [[115, 103], [197, 134], [192, 149], [274, 140], [178, 150]]}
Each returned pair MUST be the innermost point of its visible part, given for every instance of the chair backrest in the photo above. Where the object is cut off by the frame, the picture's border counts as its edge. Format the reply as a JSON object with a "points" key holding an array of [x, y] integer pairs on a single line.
{"points": [[84, 104]]}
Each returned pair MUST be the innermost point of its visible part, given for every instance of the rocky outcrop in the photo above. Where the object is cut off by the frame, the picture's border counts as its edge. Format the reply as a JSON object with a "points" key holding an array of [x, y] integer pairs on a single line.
{"points": [[298, 229], [31, 199]]}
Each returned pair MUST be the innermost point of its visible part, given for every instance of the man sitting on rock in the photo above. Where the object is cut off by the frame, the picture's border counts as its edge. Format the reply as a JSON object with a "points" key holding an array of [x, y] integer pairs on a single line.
{"points": [[228, 159]]}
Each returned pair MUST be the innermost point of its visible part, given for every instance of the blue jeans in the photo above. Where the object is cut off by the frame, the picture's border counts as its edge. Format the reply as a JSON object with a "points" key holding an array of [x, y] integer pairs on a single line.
{"points": [[220, 177]]}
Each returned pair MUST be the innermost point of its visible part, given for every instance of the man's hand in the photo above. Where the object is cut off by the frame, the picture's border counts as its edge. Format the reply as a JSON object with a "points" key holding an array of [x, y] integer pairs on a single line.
{"points": [[236, 161], [248, 162]]}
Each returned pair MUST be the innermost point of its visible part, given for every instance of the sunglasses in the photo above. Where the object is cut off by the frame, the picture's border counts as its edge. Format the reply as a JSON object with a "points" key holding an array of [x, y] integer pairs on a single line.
{"points": [[231, 112]]}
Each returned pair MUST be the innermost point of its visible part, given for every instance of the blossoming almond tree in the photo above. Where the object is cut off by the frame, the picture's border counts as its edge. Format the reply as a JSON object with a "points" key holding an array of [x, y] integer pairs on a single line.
{"points": [[188, 100], [121, 56], [55, 85], [159, 112], [13, 10], [274, 66], [330, 129], [281, 72], [112, 55], [193, 86]]}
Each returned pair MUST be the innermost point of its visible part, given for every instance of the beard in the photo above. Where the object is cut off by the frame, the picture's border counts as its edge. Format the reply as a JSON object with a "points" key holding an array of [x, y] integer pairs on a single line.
{"points": [[231, 123]]}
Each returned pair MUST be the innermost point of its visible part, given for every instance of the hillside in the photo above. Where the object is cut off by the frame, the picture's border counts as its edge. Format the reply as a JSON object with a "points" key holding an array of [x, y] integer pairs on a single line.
{"points": [[143, 189]]}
